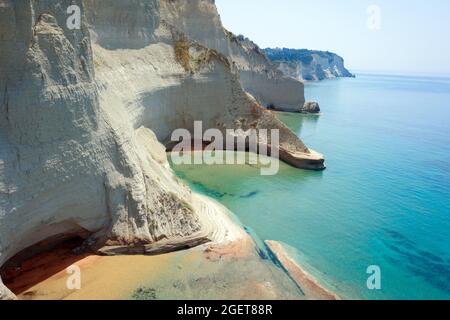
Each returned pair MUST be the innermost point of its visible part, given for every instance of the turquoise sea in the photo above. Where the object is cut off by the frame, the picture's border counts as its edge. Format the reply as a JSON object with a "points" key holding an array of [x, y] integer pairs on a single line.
{"points": [[384, 199]]}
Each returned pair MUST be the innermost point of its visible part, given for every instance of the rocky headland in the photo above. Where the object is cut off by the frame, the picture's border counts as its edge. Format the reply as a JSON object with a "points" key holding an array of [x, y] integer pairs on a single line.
{"points": [[86, 115], [308, 65]]}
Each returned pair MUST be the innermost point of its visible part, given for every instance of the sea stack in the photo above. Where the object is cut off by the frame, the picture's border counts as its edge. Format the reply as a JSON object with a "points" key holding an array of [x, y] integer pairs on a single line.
{"points": [[311, 107]]}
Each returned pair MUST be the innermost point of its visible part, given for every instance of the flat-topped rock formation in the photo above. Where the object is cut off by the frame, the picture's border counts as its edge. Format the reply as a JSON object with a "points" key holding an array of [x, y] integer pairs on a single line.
{"points": [[308, 65], [83, 114]]}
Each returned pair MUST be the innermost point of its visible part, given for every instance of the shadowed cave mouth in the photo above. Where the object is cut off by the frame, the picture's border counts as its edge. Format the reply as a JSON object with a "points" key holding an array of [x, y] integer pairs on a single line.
{"points": [[44, 259]]}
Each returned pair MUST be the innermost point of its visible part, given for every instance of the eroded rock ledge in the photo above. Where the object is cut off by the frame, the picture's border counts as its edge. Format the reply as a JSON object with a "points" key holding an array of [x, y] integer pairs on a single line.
{"points": [[83, 112]]}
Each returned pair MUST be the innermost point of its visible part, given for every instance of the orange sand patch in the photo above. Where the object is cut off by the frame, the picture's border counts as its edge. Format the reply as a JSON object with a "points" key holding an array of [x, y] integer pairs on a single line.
{"points": [[227, 271], [20, 277], [233, 250], [102, 278], [45, 276]]}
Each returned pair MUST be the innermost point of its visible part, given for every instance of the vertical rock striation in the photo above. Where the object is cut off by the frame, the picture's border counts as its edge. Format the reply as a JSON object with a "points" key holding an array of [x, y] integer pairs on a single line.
{"points": [[83, 112], [200, 21]]}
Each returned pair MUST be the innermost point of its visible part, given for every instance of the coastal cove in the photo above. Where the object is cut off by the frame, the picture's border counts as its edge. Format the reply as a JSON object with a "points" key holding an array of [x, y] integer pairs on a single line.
{"points": [[154, 150], [384, 199]]}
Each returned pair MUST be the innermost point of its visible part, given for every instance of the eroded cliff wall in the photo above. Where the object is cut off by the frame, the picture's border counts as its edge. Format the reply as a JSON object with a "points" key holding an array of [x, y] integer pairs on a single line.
{"points": [[200, 21], [67, 164], [83, 112]]}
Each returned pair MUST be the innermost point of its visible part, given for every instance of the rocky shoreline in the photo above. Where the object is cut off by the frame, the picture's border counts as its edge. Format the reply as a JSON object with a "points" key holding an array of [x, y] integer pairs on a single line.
{"points": [[86, 113]]}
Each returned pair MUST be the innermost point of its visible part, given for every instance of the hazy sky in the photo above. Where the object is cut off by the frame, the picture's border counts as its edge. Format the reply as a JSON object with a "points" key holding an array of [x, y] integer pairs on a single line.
{"points": [[414, 35]]}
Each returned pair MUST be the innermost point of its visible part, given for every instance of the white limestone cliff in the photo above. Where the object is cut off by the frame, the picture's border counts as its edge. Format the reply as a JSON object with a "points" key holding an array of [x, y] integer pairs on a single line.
{"points": [[83, 114], [200, 21], [308, 65]]}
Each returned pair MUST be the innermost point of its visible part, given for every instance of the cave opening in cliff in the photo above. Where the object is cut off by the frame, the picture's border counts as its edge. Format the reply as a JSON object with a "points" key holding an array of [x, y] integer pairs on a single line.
{"points": [[42, 260]]}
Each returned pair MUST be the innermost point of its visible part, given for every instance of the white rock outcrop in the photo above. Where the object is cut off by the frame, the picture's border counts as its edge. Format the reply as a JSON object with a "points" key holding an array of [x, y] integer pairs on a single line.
{"points": [[200, 20], [308, 65], [311, 107], [83, 114]]}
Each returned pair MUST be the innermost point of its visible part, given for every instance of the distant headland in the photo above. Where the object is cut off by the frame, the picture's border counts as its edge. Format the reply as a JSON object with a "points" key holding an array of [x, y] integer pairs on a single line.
{"points": [[308, 65]]}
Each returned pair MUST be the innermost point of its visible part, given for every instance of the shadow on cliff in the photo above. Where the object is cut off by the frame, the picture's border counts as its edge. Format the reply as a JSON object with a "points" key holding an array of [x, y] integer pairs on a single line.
{"points": [[23, 272]]}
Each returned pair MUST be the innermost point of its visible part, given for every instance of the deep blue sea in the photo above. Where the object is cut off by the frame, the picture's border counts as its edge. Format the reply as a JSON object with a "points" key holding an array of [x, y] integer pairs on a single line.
{"points": [[384, 199]]}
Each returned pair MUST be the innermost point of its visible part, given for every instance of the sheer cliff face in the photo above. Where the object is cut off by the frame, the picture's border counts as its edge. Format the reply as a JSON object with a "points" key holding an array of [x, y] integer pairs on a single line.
{"points": [[182, 66], [81, 113], [67, 166], [200, 20], [308, 65]]}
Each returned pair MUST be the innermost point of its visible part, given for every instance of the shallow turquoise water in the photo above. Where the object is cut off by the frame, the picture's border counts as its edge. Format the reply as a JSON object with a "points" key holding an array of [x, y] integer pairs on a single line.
{"points": [[384, 199]]}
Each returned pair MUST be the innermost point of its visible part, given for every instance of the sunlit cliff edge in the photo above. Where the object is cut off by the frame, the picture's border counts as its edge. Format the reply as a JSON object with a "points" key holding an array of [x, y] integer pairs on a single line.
{"points": [[84, 115]]}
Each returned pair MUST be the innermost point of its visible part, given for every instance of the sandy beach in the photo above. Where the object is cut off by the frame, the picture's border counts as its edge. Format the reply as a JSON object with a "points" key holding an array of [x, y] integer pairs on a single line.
{"points": [[206, 272], [309, 284], [229, 266], [210, 271]]}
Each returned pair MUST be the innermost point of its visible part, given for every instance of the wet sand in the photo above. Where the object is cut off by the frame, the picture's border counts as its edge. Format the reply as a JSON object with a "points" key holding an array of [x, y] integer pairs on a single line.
{"points": [[310, 285], [230, 271]]}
